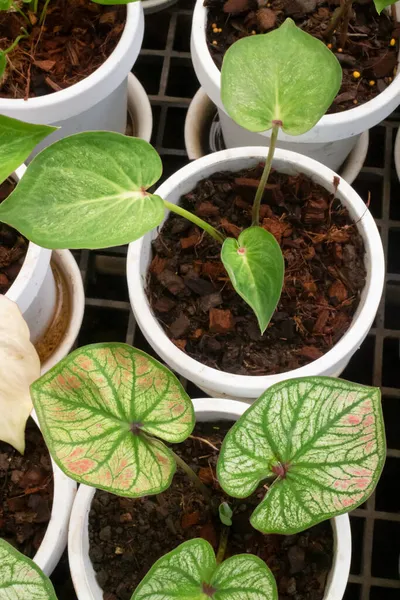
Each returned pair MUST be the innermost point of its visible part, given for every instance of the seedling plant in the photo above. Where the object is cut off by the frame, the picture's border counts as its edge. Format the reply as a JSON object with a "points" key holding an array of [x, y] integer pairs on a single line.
{"points": [[93, 187], [108, 412]]}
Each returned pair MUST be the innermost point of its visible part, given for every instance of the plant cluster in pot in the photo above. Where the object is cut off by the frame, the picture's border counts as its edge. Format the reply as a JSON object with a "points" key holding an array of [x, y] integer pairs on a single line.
{"points": [[47, 288], [36, 497], [303, 213], [306, 451], [69, 65], [363, 38]]}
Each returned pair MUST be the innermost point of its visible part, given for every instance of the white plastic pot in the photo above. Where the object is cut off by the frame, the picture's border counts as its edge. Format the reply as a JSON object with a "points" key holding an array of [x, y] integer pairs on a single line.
{"points": [[154, 6], [330, 141], [139, 108], [218, 383], [35, 292], [207, 409], [199, 124], [72, 279], [98, 102], [55, 539], [397, 153]]}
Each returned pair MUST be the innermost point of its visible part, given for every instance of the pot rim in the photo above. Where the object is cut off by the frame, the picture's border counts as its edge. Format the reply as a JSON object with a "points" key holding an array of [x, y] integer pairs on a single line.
{"points": [[82, 572], [55, 538], [352, 117], [248, 386], [133, 28]]}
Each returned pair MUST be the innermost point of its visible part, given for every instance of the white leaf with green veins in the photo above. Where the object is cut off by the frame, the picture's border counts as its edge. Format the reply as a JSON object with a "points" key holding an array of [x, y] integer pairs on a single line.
{"points": [[323, 441], [19, 367], [190, 572], [20, 578], [286, 75], [87, 191]]}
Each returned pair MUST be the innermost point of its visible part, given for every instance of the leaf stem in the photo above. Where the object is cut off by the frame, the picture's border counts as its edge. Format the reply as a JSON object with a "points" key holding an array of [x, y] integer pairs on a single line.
{"points": [[339, 13], [44, 12], [196, 220], [16, 42], [192, 475], [223, 543], [21, 12], [264, 176]]}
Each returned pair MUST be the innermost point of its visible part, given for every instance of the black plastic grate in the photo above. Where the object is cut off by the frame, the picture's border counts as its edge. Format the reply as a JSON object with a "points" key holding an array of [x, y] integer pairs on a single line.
{"points": [[164, 67]]}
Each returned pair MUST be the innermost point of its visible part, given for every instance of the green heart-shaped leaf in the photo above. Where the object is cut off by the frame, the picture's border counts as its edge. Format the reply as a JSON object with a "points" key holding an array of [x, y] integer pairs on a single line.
{"points": [[17, 139], [380, 5], [20, 578], [190, 572], [285, 76], [99, 408], [5, 4], [255, 265], [87, 191], [324, 441]]}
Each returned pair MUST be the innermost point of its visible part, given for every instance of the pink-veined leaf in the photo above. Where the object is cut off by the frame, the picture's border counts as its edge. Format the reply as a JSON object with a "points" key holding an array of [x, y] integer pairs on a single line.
{"points": [[323, 441], [99, 410]]}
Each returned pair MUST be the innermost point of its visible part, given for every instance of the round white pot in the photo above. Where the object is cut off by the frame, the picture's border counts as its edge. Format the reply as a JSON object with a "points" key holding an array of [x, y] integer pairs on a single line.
{"points": [[154, 6], [55, 539], [397, 153], [71, 275], [207, 409], [198, 125], [330, 141], [218, 383], [98, 102], [139, 108]]}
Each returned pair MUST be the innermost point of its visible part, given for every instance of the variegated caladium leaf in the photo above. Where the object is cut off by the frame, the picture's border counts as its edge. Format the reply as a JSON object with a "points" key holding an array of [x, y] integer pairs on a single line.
{"points": [[190, 572], [321, 439], [19, 367], [101, 411], [20, 578]]}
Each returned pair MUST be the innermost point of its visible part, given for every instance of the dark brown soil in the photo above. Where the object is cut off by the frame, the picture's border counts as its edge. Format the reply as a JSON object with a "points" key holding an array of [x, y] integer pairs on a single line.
{"points": [[26, 492], [366, 50], [191, 295], [76, 37], [128, 535], [13, 246]]}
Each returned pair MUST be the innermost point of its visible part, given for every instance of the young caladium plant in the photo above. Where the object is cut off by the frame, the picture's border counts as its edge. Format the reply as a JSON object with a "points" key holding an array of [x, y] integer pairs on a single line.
{"points": [[17, 140], [19, 367], [103, 411], [320, 439], [20, 578], [191, 572]]}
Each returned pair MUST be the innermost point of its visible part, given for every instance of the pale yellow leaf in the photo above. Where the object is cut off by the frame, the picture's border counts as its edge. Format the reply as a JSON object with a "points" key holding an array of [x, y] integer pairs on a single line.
{"points": [[19, 367]]}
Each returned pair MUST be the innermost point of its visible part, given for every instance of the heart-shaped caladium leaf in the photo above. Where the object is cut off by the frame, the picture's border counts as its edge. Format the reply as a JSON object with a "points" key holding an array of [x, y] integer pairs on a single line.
{"points": [[17, 139], [20, 578], [380, 5], [100, 409], [19, 367], [87, 191], [190, 572], [255, 266], [323, 441], [284, 77]]}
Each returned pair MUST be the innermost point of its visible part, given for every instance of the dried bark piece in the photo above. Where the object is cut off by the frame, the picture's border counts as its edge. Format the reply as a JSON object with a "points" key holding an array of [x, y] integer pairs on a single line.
{"points": [[180, 326], [171, 281], [221, 321], [207, 209], [230, 228], [235, 7], [266, 19], [338, 292]]}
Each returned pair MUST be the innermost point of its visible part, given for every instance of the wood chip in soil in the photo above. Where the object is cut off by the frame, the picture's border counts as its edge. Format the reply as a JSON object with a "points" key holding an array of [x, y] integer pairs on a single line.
{"points": [[13, 246], [192, 298], [26, 492], [128, 535], [367, 48], [75, 39]]}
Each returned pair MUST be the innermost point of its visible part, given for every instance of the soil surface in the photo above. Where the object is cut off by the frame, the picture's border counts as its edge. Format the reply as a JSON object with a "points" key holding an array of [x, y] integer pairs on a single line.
{"points": [[366, 50], [26, 492], [76, 37], [191, 295], [128, 535], [13, 246]]}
